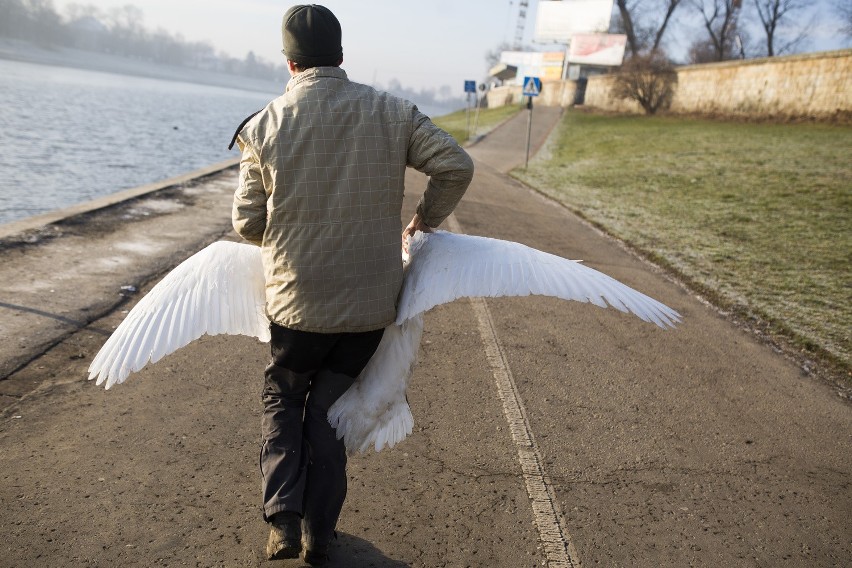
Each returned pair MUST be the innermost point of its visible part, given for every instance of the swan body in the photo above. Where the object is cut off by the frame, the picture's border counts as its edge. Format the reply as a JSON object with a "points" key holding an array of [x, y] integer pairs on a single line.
{"points": [[221, 290]]}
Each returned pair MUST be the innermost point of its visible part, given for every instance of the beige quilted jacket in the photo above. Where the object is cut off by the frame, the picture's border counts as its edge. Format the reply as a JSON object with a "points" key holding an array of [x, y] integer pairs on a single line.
{"points": [[321, 185]]}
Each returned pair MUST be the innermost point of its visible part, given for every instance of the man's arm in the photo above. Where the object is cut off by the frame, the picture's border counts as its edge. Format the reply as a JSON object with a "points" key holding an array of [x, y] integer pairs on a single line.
{"points": [[249, 212], [415, 225], [450, 170]]}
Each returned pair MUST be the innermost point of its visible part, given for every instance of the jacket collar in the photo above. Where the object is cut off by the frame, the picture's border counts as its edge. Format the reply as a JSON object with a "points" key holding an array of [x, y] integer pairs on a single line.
{"points": [[314, 73]]}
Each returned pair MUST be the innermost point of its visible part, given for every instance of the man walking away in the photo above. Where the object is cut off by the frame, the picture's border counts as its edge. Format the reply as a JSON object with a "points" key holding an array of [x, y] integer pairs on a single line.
{"points": [[321, 187]]}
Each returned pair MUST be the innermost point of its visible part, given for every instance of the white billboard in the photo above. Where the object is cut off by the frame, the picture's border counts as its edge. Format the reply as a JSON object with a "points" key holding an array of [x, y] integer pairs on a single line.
{"points": [[558, 21], [546, 65], [597, 49]]}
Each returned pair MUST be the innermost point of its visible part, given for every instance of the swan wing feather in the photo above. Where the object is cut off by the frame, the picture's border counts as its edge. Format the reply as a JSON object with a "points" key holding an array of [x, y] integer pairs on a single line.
{"points": [[374, 412], [218, 290], [446, 266]]}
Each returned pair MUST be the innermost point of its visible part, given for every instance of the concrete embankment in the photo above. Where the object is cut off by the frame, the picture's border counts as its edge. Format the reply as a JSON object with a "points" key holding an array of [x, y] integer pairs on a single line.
{"points": [[62, 270]]}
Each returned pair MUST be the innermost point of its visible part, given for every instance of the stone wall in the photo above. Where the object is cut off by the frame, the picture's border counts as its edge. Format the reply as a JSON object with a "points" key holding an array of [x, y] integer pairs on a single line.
{"points": [[814, 85], [598, 95], [503, 96], [553, 93]]}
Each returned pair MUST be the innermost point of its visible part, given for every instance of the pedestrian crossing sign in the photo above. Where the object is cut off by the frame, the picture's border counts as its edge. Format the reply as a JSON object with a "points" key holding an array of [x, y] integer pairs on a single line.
{"points": [[532, 86]]}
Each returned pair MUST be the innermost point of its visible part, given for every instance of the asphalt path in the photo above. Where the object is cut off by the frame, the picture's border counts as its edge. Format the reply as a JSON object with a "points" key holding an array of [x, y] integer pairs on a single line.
{"points": [[546, 432]]}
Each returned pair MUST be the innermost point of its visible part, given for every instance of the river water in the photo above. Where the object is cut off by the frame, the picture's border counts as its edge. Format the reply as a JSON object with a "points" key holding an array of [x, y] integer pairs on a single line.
{"points": [[69, 135]]}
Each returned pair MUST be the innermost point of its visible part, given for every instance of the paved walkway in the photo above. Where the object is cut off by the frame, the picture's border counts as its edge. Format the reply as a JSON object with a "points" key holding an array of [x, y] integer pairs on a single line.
{"points": [[627, 445]]}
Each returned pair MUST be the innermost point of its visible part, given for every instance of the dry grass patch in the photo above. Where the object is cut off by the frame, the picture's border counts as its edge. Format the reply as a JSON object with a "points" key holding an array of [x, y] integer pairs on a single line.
{"points": [[757, 216], [489, 118]]}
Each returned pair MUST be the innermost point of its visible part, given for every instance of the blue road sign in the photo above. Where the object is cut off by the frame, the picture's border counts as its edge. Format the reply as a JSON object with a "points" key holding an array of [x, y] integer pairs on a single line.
{"points": [[532, 86], [470, 86]]}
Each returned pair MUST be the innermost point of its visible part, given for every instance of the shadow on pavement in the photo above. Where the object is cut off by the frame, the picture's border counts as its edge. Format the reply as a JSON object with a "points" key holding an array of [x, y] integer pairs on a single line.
{"points": [[78, 324], [354, 552], [350, 552]]}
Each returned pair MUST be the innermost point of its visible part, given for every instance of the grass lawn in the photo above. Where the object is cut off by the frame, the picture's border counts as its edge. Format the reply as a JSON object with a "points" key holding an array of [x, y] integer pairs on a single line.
{"points": [[756, 216], [457, 123]]}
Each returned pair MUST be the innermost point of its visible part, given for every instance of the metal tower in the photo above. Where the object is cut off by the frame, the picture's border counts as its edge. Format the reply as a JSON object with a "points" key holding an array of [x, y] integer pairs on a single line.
{"points": [[522, 22]]}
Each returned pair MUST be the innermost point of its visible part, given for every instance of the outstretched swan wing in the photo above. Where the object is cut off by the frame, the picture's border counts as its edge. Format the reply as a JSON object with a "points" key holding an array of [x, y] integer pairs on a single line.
{"points": [[446, 266], [220, 289], [443, 267]]}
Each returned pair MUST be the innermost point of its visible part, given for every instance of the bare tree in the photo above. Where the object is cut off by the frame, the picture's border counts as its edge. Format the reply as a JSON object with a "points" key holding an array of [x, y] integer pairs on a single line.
{"points": [[774, 14], [644, 32], [75, 12], [119, 31], [703, 50], [167, 49], [649, 79], [126, 20], [127, 33], [843, 9], [492, 56], [45, 25], [14, 16], [720, 21]]}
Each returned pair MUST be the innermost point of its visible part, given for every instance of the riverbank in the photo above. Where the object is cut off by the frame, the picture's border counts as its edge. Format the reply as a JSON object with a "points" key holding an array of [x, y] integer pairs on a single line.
{"points": [[74, 135], [17, 50], [70, 267]]}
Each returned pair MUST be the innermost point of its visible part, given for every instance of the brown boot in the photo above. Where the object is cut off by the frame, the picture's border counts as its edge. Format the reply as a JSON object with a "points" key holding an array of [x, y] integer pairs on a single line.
{"points": [[316, 555], [285, 538]]}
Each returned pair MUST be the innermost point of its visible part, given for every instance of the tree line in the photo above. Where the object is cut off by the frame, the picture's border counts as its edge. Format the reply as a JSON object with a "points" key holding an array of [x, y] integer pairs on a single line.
{"points": [[120, 31], [727, 32], [720, 29], [727, 29]]}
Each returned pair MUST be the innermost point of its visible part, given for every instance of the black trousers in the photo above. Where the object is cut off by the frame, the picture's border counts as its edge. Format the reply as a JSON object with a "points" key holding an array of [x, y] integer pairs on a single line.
{"points": [[302, 463]]}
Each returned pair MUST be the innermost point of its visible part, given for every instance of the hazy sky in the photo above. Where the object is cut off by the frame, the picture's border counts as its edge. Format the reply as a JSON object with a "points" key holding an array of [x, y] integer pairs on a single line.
{"points": [[421, 43], [434, 43]]}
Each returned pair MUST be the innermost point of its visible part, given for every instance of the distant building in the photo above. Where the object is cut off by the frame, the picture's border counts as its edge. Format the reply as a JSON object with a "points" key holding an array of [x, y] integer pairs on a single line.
{"points": [[515, 65]]}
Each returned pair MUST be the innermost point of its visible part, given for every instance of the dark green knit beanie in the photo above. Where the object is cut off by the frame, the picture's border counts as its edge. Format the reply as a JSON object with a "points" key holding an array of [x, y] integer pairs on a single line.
{"points": [[312, 36]]}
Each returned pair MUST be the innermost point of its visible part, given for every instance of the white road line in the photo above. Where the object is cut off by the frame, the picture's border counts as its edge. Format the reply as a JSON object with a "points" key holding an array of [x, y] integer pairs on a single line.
{"points": [[558, 548]]}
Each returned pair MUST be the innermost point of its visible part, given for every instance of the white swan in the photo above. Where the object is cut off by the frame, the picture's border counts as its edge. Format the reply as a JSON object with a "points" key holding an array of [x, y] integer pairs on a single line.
{"points": [[221, 290]]}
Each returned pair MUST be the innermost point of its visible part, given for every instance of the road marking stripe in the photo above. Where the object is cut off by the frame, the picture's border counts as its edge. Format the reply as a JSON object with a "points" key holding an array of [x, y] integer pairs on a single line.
{"points": [[558, 548]]}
